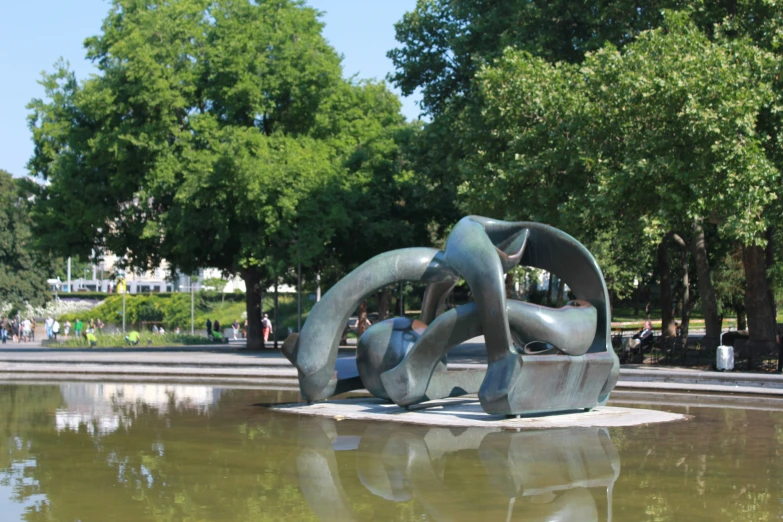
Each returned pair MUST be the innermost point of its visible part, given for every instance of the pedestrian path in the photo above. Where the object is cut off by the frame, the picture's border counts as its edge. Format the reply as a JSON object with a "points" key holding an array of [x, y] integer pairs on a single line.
{"points": [[229, 365]]}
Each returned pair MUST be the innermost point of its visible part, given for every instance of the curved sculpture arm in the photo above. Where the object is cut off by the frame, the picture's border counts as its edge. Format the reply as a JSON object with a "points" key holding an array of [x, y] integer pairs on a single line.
{"points": [[316, 362], [555, 251], [571, 329], [434, 301], [470, 249]]}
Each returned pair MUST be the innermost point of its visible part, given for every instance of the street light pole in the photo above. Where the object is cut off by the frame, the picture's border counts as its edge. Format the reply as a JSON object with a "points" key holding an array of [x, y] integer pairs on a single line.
{"points": [[299, 297], [124, 291], [192, 327]]}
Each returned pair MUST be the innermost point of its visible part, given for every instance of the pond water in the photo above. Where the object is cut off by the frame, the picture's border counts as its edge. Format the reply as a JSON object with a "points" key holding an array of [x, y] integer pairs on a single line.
{"points": [[136, 452]]}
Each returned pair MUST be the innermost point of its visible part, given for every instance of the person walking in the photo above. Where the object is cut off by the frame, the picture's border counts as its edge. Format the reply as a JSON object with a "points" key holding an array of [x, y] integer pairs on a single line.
{"points": [[27, 328], [266, 327], [235, 327], [48, 325], [244, 330], [67, 329], [55, 329], [78, 326], [15, 330], [4, 330], [209, 328]]}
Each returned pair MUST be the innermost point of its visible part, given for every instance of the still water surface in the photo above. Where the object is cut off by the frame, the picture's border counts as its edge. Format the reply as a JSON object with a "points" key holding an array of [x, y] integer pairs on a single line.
{"points": [[132, 452]]}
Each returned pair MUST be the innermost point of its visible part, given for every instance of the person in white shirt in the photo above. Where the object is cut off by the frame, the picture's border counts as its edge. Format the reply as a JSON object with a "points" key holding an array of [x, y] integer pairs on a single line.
{"points": [[27, 329], [266, 327], [48, 323]]}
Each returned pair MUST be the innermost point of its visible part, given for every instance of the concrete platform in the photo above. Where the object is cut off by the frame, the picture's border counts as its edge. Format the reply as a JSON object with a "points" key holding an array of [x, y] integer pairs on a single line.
{"points": [[467, 412]]}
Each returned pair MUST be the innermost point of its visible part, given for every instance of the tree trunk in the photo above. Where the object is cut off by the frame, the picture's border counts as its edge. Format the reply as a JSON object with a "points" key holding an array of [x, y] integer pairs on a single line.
{"points": [[383, 303], [560, 291], [276, 323], [636, 298], [549, 291], [686, 296], [252, 278], [709, 304], [509, 282], [741, 324], [686, 288], [667, 295], [761, 321], [770, 261]]}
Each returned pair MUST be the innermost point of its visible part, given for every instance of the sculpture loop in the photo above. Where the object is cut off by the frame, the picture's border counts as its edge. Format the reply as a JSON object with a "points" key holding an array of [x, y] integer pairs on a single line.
{"points": [[539, 359]]}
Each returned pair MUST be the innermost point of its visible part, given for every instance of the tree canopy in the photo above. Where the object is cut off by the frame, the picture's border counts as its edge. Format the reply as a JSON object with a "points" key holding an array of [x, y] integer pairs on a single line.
{"points": [[215, 134], [23, 271]]}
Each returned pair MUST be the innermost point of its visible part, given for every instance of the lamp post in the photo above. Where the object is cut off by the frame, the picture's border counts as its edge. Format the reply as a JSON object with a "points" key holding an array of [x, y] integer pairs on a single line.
{"points": [[298, 297], [192, 324], [122, 286]]}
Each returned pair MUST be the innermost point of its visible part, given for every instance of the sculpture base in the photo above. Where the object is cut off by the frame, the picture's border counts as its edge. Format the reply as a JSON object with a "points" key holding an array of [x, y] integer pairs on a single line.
{"points": [[467, 412]]}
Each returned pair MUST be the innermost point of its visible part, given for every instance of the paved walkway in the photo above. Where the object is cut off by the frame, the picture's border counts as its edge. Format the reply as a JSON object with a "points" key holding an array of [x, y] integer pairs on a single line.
{"points": [[228, 364]]}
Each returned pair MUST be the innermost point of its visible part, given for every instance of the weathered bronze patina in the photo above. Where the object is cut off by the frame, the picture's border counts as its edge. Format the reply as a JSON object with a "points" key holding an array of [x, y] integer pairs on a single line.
{"points": [[539, 359]]}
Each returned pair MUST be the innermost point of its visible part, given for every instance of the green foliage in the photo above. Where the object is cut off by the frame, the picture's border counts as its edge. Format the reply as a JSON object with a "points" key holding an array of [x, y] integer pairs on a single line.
{"points": [[23, 272], [146, 339], [444, 43], [214, 135], [173, 310], [629, 144]]}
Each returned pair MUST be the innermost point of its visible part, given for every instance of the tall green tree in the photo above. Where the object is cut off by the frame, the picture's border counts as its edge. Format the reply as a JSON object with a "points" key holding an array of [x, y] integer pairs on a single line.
{"points": [[23, 271], [660, 137], [213, 135]]}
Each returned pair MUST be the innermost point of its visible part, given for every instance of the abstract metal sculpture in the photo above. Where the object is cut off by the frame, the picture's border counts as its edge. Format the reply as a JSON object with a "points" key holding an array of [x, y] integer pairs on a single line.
{"points": [[539, 359]]}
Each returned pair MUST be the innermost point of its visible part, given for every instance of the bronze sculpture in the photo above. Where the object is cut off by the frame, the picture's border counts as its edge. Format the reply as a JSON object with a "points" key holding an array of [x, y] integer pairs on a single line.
{"points": [[403, 360]]}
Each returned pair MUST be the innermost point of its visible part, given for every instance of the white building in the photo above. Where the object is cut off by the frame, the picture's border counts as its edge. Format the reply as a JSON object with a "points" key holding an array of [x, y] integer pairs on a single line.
{"points": [[102, 279]]}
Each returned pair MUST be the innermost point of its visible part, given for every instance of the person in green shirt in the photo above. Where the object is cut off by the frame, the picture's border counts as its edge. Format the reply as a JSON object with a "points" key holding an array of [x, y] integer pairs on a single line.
{"points": [[78, 326], [92, 339], [132, 338]]}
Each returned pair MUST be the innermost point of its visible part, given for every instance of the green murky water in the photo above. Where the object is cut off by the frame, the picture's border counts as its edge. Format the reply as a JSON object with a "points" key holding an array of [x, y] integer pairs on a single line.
{"points": [[130, 452]]}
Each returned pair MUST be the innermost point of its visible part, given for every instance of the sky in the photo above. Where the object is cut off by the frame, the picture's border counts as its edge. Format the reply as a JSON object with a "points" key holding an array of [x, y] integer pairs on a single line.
{"points": [[34, 34]]}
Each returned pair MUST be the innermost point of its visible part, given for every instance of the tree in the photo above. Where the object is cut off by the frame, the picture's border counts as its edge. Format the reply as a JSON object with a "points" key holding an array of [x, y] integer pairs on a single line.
{"points": [[445, 43], [23, 272], [213, 135], [658, 138]]}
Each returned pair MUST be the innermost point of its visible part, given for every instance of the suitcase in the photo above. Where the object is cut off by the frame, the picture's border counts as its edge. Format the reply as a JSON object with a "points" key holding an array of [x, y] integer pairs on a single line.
{"points": [[725, 359]]}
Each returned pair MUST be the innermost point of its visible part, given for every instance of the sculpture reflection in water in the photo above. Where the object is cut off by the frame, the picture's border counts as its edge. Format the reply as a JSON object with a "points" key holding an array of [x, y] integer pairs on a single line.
{"points": [[562, 475], [539, 359]]}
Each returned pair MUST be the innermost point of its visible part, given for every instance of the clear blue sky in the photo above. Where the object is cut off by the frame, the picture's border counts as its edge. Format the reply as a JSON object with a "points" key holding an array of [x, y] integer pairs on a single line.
{"points": [[34, 34]]}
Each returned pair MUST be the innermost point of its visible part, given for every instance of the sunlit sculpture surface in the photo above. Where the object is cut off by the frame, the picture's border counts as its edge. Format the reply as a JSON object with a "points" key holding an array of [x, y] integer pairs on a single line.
{"points": [[539, 359]]}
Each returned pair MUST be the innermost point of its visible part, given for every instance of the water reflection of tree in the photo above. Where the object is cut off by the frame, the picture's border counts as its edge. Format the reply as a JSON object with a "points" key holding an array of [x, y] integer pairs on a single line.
{"points": [[184, 465], [24, 410], [719, 471]]}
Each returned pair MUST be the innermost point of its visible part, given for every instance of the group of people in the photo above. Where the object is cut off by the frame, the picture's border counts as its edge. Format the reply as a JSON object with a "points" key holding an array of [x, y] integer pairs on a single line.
{"points": [[214, 333], [18, 330], [23, 330]]}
